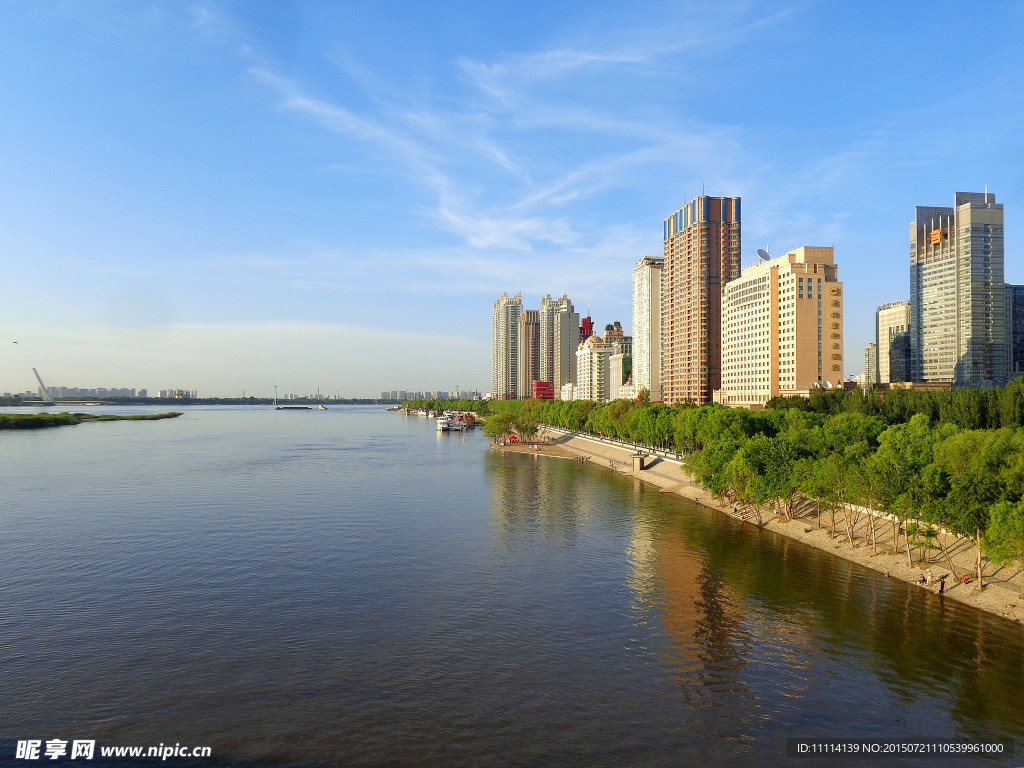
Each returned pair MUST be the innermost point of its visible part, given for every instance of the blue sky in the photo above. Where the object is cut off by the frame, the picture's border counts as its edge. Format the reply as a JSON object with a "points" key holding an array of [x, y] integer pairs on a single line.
{"points": [[228, 195]]}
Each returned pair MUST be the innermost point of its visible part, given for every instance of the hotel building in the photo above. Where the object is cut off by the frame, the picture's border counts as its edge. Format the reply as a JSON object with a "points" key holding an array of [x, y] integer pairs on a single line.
{"points": [[957, 297], [647, 326], [702, 254], [782, 329]]}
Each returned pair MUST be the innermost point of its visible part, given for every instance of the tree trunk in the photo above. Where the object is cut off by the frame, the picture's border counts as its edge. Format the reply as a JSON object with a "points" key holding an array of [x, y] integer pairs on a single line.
{"points": [[977, 543], [906, 536], [952, 568], [945, 550], [846, 522], [871, 524]]}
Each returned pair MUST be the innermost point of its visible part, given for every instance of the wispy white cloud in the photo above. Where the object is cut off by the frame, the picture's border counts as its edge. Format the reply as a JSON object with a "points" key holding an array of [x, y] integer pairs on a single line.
{"points": [[495, 174]]}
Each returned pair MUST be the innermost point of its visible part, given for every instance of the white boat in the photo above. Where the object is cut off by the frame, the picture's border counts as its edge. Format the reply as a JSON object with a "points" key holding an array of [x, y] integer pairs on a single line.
{"points": [[443, 423]]}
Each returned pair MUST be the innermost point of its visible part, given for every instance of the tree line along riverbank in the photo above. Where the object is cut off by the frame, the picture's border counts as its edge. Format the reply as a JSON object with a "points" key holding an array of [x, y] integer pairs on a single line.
{"points": [[64, 419], [945, 468]]}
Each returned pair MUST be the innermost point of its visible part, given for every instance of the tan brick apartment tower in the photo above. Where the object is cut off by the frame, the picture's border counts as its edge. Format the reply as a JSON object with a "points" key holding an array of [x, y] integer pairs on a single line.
{"points": [[702, 254]]}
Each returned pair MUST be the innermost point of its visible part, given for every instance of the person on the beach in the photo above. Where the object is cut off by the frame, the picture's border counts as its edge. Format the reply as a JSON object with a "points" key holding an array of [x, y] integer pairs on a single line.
{"points": [[928, 574], [922, 580], [942, 584]]}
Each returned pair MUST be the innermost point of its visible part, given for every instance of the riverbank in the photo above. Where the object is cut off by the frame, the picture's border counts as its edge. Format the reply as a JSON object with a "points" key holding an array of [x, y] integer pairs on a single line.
{"points": [[1002, 592]]}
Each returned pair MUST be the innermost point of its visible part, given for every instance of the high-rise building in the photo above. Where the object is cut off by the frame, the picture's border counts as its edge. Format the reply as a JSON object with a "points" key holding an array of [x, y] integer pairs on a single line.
{"points": [[592, 368], [620, 370], [957, 295], [505, 347], [870, 365], [559, 339], [647, 326], [528, 343], [1014, 331], [892, 337], [567, 341], [782, 328], [547, 337], [702, 254]]}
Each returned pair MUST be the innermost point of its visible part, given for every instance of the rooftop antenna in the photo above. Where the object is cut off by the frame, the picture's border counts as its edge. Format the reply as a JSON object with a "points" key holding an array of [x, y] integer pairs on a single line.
{"points": [[763, 255]]}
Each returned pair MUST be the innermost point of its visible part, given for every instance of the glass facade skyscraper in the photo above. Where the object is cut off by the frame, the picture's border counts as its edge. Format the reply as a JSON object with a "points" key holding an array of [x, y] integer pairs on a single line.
{"points": [[957, 300]]}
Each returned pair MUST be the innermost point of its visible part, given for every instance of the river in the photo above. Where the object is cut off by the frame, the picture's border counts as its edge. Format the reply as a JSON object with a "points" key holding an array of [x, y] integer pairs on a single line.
{"points": [[351, 588]]}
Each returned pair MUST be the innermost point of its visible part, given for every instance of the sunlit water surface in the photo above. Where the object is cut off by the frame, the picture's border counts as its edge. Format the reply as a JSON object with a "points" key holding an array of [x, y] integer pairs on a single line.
{"points": [[351, 588]]}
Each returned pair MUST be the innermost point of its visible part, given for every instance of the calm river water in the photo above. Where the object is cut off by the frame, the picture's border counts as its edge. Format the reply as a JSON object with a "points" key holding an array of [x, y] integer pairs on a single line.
{"points": [[350, 588]]}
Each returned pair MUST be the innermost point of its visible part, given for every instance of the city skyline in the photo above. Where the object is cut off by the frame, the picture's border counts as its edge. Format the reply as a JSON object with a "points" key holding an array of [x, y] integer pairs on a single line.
{"points": [[237, 195]]}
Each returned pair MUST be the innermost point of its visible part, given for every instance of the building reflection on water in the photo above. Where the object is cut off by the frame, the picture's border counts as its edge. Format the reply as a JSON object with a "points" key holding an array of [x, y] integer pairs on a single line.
{"points": [[761, 633]]}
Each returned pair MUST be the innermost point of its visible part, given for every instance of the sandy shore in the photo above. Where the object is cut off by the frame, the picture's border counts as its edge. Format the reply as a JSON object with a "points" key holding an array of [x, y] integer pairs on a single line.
{"points": [[1002, 592]]}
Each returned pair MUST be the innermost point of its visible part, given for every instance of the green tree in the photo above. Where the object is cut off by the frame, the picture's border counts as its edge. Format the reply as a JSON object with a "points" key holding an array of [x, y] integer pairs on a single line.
{"points": [[977, 463], [498, 427], [526, 427], [1004, 539]]}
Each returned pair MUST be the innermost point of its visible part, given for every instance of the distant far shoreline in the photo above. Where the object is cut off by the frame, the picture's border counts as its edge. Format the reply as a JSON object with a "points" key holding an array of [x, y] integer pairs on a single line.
{"points": [[21, 403]]}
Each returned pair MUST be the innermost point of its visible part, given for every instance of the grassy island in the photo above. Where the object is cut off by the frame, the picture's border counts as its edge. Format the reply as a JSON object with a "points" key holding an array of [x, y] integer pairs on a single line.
{"points": [[41, 420]]}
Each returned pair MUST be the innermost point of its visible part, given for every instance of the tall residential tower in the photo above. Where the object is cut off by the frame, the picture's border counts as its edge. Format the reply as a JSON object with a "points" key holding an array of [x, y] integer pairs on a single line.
{"points": [[647, 326], [505, 347], [702, 254], [528, 348]]}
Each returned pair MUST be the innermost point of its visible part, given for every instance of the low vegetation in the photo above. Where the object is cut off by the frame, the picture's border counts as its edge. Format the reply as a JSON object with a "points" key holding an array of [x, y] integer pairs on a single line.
{"points": [[43, 420]]}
